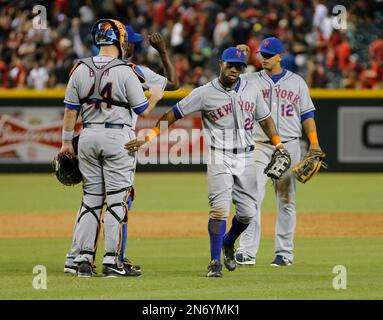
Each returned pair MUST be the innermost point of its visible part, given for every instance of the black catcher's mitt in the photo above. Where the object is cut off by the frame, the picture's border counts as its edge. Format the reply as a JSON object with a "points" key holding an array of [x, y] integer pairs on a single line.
{"points": [[66, 170], [279, 164], [309, 166]]}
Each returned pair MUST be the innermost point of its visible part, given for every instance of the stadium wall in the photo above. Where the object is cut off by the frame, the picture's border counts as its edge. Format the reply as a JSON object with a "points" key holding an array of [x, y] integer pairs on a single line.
{"points": [[350, 129]]}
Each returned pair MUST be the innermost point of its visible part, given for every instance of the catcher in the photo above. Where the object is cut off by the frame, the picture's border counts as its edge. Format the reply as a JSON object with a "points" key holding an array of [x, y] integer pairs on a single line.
{"points": [[106, 92]]}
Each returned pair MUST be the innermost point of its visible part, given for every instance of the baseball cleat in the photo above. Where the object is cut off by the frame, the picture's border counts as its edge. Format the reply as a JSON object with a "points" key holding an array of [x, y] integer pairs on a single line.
{"points": [[214, 269], [281, 261], [70, 269], [113, 271], [130, 264], [84, 270], [229, 259], [242, 259]]}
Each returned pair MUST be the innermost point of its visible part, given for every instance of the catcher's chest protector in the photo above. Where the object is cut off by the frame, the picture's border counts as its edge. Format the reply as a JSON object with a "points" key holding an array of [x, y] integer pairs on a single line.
{"points": [[98, 73]]}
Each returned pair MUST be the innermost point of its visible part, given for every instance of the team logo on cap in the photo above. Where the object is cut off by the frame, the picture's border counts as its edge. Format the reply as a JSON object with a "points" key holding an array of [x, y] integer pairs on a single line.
{"points": [[238, 53], [266, 44]]}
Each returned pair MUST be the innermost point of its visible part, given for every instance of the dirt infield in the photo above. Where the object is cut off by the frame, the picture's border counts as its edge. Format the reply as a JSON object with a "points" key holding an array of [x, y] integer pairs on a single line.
{"points": [[191, 225]]}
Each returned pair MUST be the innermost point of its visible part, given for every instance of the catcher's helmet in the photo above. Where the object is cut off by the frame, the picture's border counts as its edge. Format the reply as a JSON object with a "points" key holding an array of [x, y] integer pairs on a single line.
{"points": [[106, 32]]}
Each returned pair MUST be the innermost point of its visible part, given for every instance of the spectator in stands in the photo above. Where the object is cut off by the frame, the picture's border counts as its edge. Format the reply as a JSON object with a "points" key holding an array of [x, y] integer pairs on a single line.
{"points": [[196, 32], [38, 76], [18, 73]]}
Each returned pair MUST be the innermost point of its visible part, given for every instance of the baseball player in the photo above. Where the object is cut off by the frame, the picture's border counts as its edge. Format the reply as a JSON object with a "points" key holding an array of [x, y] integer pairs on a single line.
{"points": [[287, 96], [150, 81], [106, 92], [229, 108]]}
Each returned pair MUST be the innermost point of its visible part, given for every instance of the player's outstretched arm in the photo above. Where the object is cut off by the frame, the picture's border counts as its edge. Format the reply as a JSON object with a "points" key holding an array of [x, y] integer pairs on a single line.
{"points": [[134, 145], [268, 126], [158, 43], [156, 95]]}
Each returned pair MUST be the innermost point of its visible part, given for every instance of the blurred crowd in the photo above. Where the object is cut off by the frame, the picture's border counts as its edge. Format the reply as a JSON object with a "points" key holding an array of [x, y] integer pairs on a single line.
{"points": [[196, 33]]}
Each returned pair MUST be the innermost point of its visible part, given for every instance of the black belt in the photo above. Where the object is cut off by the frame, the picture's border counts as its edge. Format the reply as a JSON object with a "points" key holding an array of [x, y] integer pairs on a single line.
{"points": [[106, 124], [235, 150], [269, 142]]}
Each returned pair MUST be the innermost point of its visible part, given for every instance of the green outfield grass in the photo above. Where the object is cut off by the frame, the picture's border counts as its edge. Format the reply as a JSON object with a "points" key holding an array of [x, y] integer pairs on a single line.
{"points": [[176, 268], [41, 193]]}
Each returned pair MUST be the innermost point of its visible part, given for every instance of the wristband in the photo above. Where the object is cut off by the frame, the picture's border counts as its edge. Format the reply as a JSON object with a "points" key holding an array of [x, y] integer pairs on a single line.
{"points": [[67, 135], [313, 137], [276, 140], [152, 134]]}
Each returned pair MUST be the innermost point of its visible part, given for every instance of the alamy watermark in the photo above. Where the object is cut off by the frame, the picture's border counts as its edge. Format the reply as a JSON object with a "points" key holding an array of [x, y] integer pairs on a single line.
{"points": [[195, 146], [40, 279], [340, 280], [40, 20], [339, 21]]}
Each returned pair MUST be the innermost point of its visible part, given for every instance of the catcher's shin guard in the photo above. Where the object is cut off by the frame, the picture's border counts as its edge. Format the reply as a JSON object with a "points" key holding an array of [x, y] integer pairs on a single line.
{"points": [[87, 228], [115, 224], [129, 201]]}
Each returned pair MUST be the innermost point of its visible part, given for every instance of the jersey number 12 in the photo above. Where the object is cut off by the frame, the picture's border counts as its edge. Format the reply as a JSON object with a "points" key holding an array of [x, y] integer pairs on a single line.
{"points": [[287, 110]]}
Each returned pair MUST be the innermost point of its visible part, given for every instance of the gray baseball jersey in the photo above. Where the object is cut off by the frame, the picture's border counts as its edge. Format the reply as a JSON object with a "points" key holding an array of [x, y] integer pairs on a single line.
{"points": [[118, 83], [228, 117], [289, 101], [152, 79], [226, 114]]}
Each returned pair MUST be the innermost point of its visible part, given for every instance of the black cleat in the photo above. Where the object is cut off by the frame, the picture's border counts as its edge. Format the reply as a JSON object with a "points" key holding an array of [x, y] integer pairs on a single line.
{"points": [[113, 271], [130, 264], [229, 259], [244, 259], [70, 269], [84, 270], [281, 261], [214, 269]]}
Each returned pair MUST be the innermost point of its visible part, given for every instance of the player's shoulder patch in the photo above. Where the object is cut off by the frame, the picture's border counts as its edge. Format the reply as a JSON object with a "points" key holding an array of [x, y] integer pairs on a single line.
{"points": [[137, 70]]}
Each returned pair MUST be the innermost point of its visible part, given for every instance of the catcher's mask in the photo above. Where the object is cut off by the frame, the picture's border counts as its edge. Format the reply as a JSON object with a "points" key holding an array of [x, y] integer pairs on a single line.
{"points": [[107, 32]]}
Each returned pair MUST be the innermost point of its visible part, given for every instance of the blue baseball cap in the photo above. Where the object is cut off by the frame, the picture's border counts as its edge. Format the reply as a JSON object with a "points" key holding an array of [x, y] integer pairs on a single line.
{"points": [[271, 46], [132, 36], [233, 54]]}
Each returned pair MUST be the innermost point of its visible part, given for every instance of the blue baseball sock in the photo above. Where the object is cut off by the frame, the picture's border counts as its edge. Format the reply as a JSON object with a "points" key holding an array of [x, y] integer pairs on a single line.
{"points": [[216, 229], [235, 231], [124, 239]]}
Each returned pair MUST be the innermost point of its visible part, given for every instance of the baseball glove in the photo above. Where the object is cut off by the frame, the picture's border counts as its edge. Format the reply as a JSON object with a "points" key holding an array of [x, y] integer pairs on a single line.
{"points": [[309, 166], [66, 169], [279, 164]]}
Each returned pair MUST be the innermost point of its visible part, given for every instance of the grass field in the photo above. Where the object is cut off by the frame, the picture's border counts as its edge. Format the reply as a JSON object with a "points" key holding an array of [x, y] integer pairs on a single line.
{"points": [[175, 267]]}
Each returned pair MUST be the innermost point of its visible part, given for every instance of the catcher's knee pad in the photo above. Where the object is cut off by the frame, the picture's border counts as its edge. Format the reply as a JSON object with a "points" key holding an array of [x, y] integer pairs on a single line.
{"points": [[87, 227], [115, 223]]}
